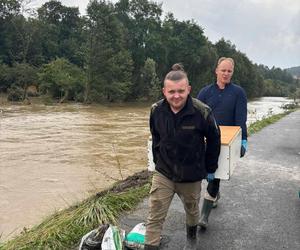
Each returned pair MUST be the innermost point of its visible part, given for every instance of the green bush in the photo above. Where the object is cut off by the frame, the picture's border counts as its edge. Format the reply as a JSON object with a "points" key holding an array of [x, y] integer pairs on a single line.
{"points": [[15, 94]]}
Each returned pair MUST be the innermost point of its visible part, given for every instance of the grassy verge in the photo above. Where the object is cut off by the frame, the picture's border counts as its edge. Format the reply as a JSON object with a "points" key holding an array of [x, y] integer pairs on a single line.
{"points": [[258, 125], [65, 229]]}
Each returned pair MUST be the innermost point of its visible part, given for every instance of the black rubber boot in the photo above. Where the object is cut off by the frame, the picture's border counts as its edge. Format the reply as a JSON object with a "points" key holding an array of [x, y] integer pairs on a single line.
{"points": [[215, 203], [206, 208], [191, 237], [191, 232], [150, 247]]}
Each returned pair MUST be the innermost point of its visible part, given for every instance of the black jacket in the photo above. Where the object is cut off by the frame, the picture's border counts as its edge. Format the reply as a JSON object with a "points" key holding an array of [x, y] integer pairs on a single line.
{"points": [[178, 141]]}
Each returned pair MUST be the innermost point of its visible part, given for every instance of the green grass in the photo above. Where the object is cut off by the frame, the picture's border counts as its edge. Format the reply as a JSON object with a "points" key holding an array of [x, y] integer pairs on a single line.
{"points": [[259, 125], [64, 229]]}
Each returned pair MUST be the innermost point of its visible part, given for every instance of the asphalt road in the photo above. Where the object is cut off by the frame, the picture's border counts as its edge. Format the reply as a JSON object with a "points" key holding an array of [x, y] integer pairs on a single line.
{"points": [[259, 206]]}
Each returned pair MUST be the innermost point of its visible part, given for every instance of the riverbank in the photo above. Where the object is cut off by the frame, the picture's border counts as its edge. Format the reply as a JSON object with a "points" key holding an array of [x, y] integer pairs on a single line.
{"points": [[64, 229], [70, 220]]}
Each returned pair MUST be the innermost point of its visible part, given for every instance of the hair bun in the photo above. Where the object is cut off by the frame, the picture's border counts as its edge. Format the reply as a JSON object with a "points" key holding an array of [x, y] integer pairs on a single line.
{"points": [[177, 73], [177, 67]]}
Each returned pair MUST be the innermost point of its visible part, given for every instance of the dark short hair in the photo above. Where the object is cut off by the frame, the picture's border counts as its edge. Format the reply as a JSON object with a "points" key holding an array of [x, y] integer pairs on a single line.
{"points": [[177, 73]]}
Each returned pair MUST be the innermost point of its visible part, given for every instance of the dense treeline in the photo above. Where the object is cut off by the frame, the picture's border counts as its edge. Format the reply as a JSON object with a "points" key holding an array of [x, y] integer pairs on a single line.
{"points": [[295, 71], [117, 52]]}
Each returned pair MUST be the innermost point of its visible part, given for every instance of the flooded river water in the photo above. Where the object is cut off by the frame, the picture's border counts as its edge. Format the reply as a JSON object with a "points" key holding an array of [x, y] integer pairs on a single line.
{"points": [[53, 156]]}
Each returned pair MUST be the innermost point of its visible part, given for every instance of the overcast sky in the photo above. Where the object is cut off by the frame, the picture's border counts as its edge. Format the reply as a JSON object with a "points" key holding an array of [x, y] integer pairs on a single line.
{"points": [[267, 31]]}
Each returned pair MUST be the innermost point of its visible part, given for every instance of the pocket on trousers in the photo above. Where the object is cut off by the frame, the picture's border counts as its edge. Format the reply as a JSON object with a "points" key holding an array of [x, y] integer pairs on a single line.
{"points": [[155, 184]]}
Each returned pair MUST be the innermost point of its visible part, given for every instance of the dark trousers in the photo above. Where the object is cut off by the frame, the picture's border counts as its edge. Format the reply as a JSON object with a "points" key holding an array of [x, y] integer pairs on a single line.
{"points": [[213, 187]]}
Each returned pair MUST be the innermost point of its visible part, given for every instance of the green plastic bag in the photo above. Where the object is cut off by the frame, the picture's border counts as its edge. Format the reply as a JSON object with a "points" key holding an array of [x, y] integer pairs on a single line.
{"points": [[135, 239]]}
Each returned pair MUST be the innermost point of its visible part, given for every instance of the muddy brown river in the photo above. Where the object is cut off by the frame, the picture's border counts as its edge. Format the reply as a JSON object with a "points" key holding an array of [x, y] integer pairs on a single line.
{"points": [[54, 156]]}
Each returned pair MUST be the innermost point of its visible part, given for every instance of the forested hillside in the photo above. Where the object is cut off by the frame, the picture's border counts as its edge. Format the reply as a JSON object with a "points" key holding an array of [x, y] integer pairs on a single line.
{"points": [[117, 52], [294, 71]]}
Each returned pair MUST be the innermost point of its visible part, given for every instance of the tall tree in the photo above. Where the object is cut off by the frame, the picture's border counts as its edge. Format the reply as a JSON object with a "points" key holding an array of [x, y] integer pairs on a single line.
{"points": [[150, 81], [5, 77], [109, 63], [62, 32], [184, 42], [8, 10], [22, 43], [141, 19]]}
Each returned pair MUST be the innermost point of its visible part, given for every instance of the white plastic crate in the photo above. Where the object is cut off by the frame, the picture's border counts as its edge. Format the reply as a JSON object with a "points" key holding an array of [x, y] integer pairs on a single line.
{"points": [[231, 138], [229, 155]]}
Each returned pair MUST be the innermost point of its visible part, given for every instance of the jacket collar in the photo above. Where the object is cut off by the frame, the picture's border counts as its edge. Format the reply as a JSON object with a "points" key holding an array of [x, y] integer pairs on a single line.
{"points": [[226, 85]]}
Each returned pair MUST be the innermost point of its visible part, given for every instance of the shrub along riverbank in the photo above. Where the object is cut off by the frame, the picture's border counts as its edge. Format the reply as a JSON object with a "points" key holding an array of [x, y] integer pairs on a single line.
{"points": [[64, 229]]}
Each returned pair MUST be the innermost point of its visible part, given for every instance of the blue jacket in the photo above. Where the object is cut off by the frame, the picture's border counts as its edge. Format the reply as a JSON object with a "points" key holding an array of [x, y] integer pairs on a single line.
{"points": [[229, 105]]}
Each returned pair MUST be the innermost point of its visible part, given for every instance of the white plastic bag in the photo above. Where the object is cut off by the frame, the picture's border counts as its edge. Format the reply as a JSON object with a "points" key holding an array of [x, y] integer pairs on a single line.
{"points": [[113, 239], [135, 239], [84, 238]]}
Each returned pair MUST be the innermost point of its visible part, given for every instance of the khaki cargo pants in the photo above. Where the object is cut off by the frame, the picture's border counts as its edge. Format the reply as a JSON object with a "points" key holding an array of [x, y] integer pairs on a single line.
{"points": [[161, 194]]}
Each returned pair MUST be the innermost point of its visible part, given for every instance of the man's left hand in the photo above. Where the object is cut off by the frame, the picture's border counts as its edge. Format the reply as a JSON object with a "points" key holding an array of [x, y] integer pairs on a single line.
{"points": [[210, 177]]}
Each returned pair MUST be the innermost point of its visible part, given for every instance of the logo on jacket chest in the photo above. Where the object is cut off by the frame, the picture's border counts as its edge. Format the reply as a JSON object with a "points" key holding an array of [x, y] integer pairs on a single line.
{"points": [[188, 127]]}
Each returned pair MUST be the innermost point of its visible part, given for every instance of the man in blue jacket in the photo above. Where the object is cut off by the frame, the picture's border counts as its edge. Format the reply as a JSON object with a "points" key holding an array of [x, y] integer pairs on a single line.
{"points": [[228, 102], [179, 126]]}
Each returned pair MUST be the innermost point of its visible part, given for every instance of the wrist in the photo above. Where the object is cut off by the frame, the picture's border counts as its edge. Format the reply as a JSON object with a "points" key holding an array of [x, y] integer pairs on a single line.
{"points": [[245, 144]]}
